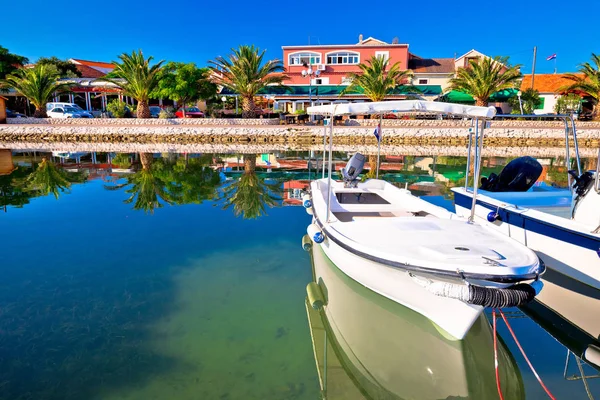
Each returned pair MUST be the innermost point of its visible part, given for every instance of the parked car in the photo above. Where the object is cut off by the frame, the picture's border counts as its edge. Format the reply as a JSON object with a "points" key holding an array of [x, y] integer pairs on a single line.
{"points": [[190, 112], [14, 114], [72, 106], [65, 112], [155, 111]]}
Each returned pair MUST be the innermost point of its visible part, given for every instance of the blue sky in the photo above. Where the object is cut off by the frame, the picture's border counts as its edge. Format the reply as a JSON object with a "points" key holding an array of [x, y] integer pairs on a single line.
{"points": [[200, 30]]}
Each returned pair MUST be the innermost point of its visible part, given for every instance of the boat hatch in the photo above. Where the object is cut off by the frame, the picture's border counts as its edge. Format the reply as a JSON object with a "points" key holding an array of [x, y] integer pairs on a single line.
{"points": [[360, 198]]}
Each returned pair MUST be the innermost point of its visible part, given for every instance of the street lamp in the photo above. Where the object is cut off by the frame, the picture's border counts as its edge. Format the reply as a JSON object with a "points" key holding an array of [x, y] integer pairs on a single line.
{"points": [[520, 103], [310, 73], [223, 99]]}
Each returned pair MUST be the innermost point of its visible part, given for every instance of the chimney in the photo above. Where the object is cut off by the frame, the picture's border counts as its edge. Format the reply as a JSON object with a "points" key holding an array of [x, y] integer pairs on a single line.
{"points": [[360, 38], [395, 40]]}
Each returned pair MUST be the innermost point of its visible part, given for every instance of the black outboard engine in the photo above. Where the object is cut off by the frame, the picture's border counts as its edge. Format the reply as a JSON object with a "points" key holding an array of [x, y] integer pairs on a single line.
{"points": [[519, 175], [353, 169]]}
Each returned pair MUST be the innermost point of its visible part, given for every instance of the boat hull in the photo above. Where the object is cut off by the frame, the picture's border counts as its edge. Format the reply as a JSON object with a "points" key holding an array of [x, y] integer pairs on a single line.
{"points": [[454, 317], [568, 251]]}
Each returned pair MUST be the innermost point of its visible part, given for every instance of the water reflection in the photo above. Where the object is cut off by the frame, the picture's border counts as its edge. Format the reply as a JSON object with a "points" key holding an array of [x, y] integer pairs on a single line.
{"points": [[251, 194], [368, 347], [172, 180]]}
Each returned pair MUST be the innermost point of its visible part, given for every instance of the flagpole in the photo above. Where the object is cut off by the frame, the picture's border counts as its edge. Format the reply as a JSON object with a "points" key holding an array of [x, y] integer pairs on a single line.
{"points": [[555, 65], [379, 144]]}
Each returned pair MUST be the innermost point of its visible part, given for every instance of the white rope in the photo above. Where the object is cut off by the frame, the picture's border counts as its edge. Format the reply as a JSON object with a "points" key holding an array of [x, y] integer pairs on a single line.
{"points": [[444, 289]]}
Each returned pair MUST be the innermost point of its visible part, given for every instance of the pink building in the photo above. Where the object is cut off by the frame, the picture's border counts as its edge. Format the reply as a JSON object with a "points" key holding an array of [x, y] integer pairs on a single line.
{"points": [[334, 62]]}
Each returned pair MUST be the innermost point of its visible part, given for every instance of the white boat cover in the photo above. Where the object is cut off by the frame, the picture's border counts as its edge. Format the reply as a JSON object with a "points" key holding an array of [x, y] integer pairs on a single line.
{"points": [[403, 106]]}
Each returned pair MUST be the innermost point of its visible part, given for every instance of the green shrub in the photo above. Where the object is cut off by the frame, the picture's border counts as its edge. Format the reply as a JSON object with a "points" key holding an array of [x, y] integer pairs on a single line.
{"points": [[567, 104], [166, 113], [299, 112], [116, 108]]}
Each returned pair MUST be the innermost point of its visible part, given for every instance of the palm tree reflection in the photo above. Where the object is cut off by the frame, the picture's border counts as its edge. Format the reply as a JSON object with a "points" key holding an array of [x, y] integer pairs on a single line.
{"points": [[162, 181], [250, 195]]}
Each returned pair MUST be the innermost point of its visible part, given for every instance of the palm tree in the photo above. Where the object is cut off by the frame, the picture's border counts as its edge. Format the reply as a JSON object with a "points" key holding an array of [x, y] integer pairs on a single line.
{"points": [[245, 73], [136, 78], [589, 83], [485, 76], [376, 80], [39, 84], [250, 195], [47, 178]]}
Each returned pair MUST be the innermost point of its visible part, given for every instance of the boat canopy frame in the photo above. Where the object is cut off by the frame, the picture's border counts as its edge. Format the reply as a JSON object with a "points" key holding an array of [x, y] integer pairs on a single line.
{"points": [[570, 132], [480, 115]]}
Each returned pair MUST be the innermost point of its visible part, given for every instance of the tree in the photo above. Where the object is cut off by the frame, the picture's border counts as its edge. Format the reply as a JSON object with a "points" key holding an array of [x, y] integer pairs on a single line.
{"points": [[245, 73], [65, 68], [136, 78], [530, 100], [588, 84], [375, 80], [485, 76], [250, 195], [9, 62], [184, 83], [38, 84]]}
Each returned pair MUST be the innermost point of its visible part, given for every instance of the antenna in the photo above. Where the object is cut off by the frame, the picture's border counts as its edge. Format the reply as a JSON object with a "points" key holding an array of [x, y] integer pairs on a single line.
{"points": [[395, 40]]}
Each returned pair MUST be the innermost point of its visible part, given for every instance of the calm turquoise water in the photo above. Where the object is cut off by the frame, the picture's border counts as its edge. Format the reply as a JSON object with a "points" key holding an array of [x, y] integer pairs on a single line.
{"points": [[180, 293]]}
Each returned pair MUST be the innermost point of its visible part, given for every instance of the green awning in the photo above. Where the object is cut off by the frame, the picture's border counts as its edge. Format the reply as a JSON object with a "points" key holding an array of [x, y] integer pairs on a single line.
{"points": [[455, 96], [336, 90]]}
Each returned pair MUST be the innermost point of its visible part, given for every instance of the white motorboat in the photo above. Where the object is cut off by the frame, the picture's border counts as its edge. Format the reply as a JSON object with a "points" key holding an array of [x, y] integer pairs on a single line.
{"points": [[411, 251], [369, 347], [561, 226]]}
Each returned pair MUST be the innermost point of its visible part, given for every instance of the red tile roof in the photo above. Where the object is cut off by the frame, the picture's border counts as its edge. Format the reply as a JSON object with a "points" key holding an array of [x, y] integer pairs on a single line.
{"points": [[546, 83], [89, 72], [93, 63], [431, 65]]}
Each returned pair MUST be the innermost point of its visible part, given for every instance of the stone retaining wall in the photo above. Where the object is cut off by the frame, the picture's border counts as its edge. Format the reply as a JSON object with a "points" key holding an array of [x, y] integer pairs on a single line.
{"points": [[355, 135], [257, 148], [144, 121]]}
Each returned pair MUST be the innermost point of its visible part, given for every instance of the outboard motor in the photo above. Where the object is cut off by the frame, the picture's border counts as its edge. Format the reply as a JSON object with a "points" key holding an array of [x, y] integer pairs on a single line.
{"points": [[586, 200], [353, 169], [519, 175]]}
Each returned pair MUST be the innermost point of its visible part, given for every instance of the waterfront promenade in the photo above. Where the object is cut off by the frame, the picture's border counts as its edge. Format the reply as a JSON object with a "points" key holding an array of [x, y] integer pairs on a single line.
{"points": [[229, 131]]}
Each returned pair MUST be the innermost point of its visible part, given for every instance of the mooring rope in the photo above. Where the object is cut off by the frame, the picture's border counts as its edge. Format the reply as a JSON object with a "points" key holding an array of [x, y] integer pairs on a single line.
{"points": [[522, 352]]}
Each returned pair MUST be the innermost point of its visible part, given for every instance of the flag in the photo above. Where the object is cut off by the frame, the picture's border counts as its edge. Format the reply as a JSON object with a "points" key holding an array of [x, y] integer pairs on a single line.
{"points": [[552, 57], [377, 132]]}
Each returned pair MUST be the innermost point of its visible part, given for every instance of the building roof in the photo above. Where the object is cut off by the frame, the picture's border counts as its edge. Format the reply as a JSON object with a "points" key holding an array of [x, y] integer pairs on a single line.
{"points": [[89, 72], [372, 41], [88, 63], [546, 83], [431, 65]]}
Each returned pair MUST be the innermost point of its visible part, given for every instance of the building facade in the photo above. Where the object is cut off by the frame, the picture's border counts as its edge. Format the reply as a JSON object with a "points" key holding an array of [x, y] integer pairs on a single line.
{"points": [[430, 76]]}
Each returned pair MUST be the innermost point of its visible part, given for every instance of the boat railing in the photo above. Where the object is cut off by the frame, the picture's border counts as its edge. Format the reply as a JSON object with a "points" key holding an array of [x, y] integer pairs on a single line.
{"points": [[597, 183], [570, 131]]}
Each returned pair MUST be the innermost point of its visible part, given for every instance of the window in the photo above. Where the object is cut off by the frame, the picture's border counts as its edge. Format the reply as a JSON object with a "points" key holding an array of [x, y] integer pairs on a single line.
{"points": [[320, 81], [423, 81], [384, 54], [58, 110], [342, 57], [301, 58]]}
